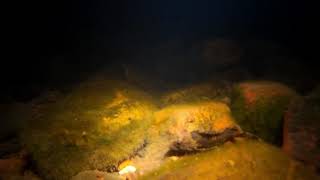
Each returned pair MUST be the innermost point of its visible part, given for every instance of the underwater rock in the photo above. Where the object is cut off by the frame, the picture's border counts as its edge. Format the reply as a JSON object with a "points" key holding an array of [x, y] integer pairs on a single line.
{"points": [[183, 129], [95, 126], [196, 93], [197, 126], [13, 164], [203, 141], [259, 107], [207, 140], [301, 129], [244, 159], [96, 175], [27, 175]]}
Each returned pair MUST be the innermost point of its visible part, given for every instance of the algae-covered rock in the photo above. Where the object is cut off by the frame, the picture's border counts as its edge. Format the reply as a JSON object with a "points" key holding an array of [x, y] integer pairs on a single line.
{"points": [[197, 93], [95, 126], [259, 108], [191, 127], [301, 129], [96, 175], [183, 129], [244, 159]]}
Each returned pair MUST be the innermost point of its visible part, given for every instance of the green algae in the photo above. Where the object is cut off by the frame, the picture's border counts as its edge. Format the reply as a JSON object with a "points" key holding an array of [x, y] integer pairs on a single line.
{"points": [[244, 159], [259, 108]]}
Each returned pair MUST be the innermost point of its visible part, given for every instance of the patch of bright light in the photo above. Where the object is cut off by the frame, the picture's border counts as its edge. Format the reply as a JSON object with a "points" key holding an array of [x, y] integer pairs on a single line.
{"points": [[127, 169]]}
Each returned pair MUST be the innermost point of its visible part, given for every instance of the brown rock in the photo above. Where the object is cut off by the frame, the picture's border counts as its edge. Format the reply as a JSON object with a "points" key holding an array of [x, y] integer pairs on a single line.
{"points": [[13, 164], [301, 137], [196, 126]]}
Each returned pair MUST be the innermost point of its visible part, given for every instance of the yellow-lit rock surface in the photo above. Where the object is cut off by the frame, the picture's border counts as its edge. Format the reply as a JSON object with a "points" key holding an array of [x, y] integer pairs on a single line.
{"points": [[243, 160], [96, 125], [103, 127], [196, 93], [174, 129], [204, 117]]}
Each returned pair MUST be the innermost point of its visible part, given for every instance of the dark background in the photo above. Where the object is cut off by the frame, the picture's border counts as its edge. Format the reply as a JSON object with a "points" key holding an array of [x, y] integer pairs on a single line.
{"points": [[54, 43]]}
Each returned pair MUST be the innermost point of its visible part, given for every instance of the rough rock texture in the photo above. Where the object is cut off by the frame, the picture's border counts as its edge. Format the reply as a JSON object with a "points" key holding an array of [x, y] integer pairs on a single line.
{"points": [[95, 126], [91, 131], [13, 164], [243, 160], [191, 127], [259, 107], [96, 175], [185, 129], [199, 92], [27, 175], [301, 130]]}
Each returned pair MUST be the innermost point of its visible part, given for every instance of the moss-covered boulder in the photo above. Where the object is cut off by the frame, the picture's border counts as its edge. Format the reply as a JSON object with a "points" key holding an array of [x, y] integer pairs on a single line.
{"points": [[244, 159], [195, 126], [95, 126], [301, 129], [197, 93], [96, 175], [259, 107], [184, 129]]}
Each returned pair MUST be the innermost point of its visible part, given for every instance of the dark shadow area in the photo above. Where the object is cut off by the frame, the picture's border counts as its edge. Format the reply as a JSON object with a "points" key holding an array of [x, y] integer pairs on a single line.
{"points": [[57, 43]]}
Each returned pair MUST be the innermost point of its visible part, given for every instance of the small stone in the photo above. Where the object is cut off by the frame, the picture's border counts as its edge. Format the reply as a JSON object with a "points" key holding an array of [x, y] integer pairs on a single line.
{"points": [[96, 175]]}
